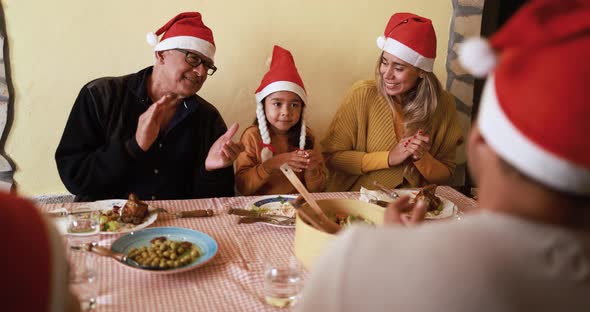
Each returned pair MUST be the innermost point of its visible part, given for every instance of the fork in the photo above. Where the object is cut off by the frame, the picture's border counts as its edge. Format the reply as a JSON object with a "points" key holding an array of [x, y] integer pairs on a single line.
{"points": [[198, 213], [389, 192], [105, 252]]}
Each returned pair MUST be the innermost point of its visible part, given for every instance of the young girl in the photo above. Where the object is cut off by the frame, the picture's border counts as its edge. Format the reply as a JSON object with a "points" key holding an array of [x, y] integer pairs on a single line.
{"points": [[279, 135]]}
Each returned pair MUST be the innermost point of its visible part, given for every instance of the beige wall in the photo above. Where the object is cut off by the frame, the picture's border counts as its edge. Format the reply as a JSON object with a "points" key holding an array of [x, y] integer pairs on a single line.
{"points": [[57, 46]]}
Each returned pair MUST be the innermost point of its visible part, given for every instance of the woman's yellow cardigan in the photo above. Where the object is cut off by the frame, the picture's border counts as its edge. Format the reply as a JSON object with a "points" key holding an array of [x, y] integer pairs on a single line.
{"points": [[357, 144]]}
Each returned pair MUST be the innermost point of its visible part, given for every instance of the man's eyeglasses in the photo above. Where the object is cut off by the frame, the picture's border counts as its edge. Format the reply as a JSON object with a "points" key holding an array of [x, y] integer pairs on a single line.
{"points": [[195, 60]]}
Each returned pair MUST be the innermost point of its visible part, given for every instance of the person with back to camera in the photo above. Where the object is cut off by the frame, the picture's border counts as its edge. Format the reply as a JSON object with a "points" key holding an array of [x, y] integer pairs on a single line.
{"points": [[400, 129], [279, 135], [528, 246], [35, 276], [149, 133]]}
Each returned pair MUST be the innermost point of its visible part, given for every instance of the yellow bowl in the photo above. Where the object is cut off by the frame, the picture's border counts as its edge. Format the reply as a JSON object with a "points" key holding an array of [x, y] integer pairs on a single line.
{"points": [[309, 242]]}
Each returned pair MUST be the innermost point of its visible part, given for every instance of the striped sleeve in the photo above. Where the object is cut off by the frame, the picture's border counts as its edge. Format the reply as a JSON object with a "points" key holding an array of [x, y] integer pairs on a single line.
{"points": [[341, 140]]}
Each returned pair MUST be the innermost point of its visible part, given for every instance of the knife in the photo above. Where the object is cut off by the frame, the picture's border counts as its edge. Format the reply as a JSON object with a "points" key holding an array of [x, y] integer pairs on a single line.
{"points": [[281, 220], [62, 214]]}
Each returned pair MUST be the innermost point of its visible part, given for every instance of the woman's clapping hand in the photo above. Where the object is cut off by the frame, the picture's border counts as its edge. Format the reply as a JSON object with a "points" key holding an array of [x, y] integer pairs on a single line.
{"points": [[418, 145], [415, 146]]}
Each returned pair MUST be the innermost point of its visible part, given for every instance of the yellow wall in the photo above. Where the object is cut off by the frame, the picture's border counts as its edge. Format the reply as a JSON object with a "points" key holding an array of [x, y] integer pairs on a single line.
{"points": [[57, 46]]}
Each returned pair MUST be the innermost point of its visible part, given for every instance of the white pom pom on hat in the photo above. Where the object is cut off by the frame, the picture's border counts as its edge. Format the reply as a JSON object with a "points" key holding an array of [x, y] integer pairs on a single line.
{"points": [[151, 39], [477, 57], [381, 42], [185, 31]]}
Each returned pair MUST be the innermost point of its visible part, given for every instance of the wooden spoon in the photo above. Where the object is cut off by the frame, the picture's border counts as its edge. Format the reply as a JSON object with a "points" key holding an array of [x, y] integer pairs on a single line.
{"points": [[319, 217]]}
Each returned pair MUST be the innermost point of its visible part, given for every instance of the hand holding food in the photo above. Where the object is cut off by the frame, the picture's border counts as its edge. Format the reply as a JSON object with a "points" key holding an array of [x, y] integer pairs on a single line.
{"points": [[397, 211]]}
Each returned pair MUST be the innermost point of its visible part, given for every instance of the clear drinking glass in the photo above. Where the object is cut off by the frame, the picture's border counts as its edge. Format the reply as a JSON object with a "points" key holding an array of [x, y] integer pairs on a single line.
{"points": [[83, 228], [282, 283], [457, 214], [83, 279]]}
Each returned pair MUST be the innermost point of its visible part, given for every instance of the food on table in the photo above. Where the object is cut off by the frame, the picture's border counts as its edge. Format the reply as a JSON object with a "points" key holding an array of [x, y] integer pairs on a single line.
{"points": [[434, 204], [109, 220], [134, 211], [348, 219], [165, 254], [282, 207]]}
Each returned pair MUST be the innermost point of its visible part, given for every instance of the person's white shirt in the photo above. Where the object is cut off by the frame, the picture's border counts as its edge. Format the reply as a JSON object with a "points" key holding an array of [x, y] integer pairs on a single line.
{"points": [[486, 262]]}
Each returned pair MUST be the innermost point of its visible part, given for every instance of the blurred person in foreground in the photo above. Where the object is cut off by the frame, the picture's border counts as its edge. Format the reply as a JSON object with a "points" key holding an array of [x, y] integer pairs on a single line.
{"points": [[149, 133], [35, 276], [528, 246]]}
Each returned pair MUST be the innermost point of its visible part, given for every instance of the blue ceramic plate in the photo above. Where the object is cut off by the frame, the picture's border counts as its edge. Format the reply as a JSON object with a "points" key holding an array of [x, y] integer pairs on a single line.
{"points": [[206, 244]]}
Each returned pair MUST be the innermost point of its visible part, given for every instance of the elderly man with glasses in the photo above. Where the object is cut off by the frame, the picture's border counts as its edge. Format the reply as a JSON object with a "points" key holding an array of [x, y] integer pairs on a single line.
{"points": [[149, 133]]}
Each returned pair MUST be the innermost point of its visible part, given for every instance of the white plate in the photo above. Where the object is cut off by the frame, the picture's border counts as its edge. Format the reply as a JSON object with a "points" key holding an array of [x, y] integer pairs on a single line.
{"points": [[104, 205], [449, 208], [274, 204]]}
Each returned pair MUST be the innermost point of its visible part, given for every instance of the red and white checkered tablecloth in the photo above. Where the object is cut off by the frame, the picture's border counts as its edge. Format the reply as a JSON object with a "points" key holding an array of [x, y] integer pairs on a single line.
{"points": [[232, 281]]}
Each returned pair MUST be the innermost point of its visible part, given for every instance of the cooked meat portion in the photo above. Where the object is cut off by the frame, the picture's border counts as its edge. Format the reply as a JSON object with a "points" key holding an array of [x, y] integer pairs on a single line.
{"points": [[427, 194], [134, 211]]}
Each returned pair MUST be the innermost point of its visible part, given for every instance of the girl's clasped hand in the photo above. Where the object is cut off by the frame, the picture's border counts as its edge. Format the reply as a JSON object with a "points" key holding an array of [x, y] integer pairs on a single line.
{"points": [[298, 160]]}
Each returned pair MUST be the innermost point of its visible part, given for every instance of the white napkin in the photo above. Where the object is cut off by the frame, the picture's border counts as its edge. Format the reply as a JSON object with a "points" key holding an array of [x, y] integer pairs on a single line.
{"points": [[366, 195]]}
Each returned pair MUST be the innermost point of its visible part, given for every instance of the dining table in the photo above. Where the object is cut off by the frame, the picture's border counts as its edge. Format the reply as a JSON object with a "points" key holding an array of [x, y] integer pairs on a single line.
{"points": [[231, 281]]}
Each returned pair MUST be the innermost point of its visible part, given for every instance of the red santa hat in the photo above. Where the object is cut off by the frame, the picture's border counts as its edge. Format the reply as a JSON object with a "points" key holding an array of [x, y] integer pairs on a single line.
{"points": [[184, 31], [282, 76], [37, 268], [411, 38], [534, 109]]}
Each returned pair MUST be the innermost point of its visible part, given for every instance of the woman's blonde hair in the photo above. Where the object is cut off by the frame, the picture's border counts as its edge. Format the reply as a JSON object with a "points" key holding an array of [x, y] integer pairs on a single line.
{"points": [[418, 106], [419, 103]]}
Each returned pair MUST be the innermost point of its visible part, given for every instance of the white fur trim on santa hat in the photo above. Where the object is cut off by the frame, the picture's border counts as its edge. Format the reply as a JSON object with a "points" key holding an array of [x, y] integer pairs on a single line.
{"points": [[281, 86], [477, 57], [527, 156], [405, 53], [189, 43]]}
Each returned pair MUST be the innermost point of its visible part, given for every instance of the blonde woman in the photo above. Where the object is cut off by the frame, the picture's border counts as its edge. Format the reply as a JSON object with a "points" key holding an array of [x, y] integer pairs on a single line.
{"points": [[399, 129]]}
